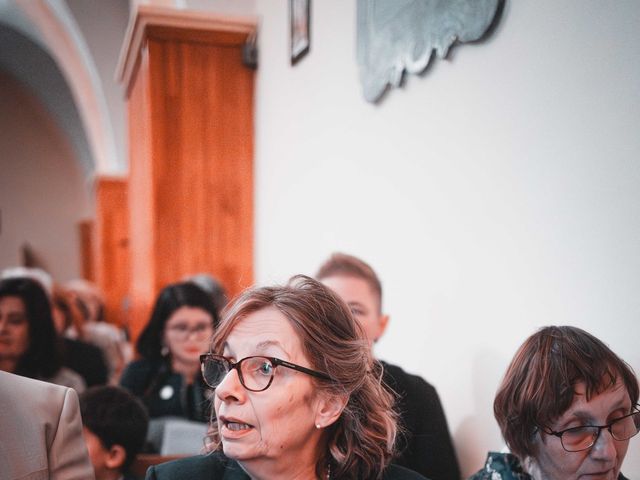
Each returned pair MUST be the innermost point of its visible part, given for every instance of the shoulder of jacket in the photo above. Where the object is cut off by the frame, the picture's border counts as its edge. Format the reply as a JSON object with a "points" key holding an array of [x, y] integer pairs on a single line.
{"points": [[397, 472], [404, 380]]}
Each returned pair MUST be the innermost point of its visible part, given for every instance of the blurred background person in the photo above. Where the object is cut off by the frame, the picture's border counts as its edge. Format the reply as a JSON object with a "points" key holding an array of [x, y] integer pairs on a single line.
{"points": [[29, 344], [80, 356], [426, 445], [567, 407], [167, 378], [35, 273], [213, 287], [77, 355], [115, 427], [94, 328], [67, 317], [297, 394]]}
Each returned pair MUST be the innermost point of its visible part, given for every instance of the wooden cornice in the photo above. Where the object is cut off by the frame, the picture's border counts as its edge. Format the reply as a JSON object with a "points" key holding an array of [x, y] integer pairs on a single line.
{"points": [[163, 21]]}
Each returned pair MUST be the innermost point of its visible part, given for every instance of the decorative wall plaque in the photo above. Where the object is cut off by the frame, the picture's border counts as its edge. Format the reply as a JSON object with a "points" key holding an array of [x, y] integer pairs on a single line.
{"points": [[300, 18], [395, 36]]}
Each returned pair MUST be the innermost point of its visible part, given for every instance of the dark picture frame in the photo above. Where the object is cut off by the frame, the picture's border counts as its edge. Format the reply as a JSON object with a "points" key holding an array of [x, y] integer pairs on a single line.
{"points": [[300, 20]]}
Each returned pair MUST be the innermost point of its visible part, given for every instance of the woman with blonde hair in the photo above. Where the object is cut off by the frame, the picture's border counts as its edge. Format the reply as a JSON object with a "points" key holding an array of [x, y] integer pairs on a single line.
{"points": [[297, 393]]}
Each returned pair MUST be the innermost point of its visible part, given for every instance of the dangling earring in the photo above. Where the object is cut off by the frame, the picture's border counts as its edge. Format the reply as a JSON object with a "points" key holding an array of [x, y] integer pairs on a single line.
{"points": [[164, 351]]}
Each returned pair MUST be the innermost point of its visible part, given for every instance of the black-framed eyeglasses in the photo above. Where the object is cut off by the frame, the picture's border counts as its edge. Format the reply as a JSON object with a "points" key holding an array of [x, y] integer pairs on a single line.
{"points": [[255, 373], [183, 331], [581, 438]]}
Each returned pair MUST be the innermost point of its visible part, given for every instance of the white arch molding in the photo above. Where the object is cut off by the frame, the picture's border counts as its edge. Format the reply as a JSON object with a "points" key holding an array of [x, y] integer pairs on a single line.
{"points": [[65, 43]]}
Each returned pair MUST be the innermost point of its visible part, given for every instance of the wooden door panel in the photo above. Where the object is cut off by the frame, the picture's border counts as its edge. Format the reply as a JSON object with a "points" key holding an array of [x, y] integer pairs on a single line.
{"points": [[191, 135]]}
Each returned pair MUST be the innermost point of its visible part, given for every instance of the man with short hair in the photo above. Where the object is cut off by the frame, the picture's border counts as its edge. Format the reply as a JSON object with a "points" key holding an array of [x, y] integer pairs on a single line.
{"points": [[426, 447]]}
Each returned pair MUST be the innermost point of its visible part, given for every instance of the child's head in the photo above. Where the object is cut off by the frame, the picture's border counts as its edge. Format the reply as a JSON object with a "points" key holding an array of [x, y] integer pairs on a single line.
{"points": [[115, 428]]}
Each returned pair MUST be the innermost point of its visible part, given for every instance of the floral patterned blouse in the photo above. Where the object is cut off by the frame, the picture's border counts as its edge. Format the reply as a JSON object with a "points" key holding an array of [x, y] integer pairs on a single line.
{"points": [[505, 466]]}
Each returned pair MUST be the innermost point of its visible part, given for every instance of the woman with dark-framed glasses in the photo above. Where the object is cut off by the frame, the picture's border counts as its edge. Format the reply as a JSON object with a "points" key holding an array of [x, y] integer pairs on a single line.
{"points": [[167, 376], [567, 408], [296, 393]]}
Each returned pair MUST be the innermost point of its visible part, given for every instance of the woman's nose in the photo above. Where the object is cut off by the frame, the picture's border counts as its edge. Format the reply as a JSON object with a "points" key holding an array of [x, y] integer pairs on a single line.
{"points": [[230, 388], [605, 446]]}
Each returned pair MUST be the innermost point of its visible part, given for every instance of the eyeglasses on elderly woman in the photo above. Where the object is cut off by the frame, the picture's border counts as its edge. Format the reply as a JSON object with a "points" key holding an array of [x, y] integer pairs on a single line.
{"points": [[255, 373], [576, 439]]}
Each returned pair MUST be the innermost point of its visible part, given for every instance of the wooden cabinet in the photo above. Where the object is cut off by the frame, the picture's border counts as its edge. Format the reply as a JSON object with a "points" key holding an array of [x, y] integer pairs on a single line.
{"points": [[190, 112]]}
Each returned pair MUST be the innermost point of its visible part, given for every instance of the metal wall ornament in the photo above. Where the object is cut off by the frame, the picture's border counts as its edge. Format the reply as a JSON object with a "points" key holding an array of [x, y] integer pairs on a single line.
{"points": [[395, 36], [300, 20]]}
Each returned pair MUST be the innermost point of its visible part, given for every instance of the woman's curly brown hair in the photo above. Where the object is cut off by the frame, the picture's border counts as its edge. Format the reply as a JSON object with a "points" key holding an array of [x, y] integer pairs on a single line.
{"points": [[360, 443], [539, 385]]}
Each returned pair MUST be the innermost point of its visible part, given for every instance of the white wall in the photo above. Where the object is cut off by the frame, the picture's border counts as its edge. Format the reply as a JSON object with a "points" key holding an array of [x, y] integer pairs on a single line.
{"points": [[104, 34], [497, 194], [43, 194]]}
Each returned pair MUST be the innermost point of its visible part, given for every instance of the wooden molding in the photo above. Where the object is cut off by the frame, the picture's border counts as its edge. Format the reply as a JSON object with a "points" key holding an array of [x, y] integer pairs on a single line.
{"points": [[112, 266], [163, 22], [86, 229]]}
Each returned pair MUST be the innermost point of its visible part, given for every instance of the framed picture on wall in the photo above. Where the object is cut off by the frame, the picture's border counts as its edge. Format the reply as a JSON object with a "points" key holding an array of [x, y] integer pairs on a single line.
{"points": [[300, 17]]}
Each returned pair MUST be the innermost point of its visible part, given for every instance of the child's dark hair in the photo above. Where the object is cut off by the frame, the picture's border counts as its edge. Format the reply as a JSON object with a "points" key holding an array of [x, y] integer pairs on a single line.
{"points": [[116, 417]]}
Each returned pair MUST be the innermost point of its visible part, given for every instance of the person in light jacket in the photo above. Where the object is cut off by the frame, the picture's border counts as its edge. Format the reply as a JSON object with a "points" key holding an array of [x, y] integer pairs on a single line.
{"points": [[40, 431]]}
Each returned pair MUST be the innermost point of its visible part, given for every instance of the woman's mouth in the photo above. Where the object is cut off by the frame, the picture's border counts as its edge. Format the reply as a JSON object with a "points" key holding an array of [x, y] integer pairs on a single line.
{"points": [[235, 427], [608, 474]]}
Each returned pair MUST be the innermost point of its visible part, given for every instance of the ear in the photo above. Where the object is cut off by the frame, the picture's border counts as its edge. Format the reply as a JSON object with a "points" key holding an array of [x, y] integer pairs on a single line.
{"points": [[383, 321], [329, 409], [116, 457]]}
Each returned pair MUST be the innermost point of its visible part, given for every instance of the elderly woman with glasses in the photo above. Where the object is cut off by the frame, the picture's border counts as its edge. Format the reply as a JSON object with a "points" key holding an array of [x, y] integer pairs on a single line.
{"points": [[567, 408], [297, 394], [167, 376]]}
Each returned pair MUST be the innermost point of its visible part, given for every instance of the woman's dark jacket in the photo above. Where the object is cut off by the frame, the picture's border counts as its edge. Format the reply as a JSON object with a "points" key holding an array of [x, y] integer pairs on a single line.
{"points": [[426, 445], [164, 392], [218, 467]]}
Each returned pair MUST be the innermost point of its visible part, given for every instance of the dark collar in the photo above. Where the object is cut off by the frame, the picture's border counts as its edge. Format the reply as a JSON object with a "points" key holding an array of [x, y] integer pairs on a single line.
{"points": [[233, 471]]}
